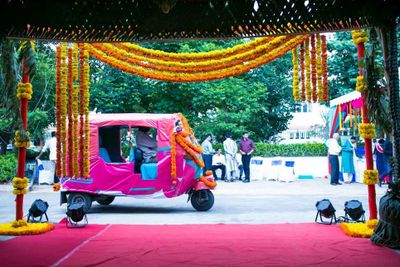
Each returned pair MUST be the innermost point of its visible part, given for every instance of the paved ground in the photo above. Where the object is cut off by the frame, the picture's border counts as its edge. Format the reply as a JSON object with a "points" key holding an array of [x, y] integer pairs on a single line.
{"points": [[258, 202]]}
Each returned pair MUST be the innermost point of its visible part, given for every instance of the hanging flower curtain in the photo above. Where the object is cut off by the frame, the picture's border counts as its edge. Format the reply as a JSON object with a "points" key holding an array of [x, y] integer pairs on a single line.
{"points": [[194, 67]]}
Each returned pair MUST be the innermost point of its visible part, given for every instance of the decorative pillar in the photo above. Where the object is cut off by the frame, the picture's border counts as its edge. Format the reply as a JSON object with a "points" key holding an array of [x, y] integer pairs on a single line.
{"points": [[367, 130], [24, 93]]}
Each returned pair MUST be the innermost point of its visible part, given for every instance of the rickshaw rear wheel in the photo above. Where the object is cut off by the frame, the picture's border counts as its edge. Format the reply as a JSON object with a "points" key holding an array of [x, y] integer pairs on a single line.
{"points": [[202, 200], [105, 200], [77, 197]]}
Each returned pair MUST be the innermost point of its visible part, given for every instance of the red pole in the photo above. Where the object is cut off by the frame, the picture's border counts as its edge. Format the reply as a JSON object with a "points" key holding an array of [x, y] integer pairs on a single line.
{"points": [[22, 150], [367, 144]]}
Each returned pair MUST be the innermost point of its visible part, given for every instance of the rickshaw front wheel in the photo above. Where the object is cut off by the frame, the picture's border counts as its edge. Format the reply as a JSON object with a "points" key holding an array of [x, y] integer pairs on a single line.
{"points": [[202, 200], [77, 197]]}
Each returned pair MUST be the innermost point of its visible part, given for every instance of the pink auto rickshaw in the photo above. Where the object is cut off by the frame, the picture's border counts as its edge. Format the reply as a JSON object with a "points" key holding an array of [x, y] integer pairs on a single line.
{"points": [[175, 170]]}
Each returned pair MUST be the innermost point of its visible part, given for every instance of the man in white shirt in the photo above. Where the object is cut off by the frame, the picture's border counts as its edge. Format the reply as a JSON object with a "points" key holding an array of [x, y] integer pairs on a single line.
{"points": [[334, 150], [51, 144], [207, 153], [230, 148], [218, 162]]}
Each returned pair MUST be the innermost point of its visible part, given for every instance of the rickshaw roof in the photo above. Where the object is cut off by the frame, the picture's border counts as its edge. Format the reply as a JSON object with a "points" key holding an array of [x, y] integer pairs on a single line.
{"points": [[110, 119]]}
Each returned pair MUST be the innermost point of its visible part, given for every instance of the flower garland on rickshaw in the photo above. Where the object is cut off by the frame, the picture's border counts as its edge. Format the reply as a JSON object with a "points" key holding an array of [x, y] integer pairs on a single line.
{"points": [[179, 136]]}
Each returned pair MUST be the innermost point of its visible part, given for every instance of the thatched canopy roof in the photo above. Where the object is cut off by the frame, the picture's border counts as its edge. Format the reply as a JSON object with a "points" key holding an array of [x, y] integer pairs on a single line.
{"points": [[151, 20]]}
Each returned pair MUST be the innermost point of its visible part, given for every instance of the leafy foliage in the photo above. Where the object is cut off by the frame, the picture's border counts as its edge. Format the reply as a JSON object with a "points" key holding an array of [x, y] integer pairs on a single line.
{"points": [[287, 150], [257, 101], [8, 166]]}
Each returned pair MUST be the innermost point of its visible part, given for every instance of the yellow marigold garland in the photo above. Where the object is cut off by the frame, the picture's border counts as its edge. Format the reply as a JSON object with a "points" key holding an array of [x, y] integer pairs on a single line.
{"points": [[22, 227], [308, 69], [86, 80], [21, 139], [370, 177], [361, 86], [191, 77], [75, 62], [24, 90], [313, 69], [63, 107], [218, 54], [359, 36], [75, 114], [58, 111], [302, 73], [324, 62], [367, 130], [295, 62], [364, 230], [20, 185], [189, 67], [70, 139], [81, 110]]}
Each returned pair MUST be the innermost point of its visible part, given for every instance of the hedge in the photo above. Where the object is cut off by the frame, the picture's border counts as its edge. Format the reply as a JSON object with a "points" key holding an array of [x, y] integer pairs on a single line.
{"points": [[292, 150], [8, 166]]}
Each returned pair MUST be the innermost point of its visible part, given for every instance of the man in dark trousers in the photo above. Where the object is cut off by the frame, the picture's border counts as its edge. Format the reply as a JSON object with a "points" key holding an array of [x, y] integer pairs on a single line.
{"points": [[246, 148], [388, 153]]}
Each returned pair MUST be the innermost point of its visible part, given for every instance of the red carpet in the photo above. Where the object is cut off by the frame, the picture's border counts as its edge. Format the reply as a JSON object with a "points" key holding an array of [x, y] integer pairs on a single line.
{"points": [[196, 245]]}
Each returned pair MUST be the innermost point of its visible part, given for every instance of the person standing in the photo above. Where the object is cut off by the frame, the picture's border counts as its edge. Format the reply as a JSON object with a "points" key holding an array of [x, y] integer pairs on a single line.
{"points": [[218, 162], [230, 149], [239, 164], [334, 151], [51, 144], [380, 157], [246, 147], [207, 153], [348, 152], [388, 153]]}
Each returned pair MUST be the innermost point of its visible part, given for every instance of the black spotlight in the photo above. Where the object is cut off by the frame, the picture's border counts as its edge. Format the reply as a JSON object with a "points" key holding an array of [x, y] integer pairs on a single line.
{"points": [[325, 209], [76, 214], [38, 209], [354, 210]]}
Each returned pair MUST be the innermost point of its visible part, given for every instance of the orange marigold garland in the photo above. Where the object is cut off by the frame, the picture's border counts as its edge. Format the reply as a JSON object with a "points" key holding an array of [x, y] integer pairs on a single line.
{"points": [[313, 69], [308, 69], [324, 61], [207, 182], [295, 62], [58, 111], [173, 155], [189, 150], [320, 92], [302, 74], [70, 167]]}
